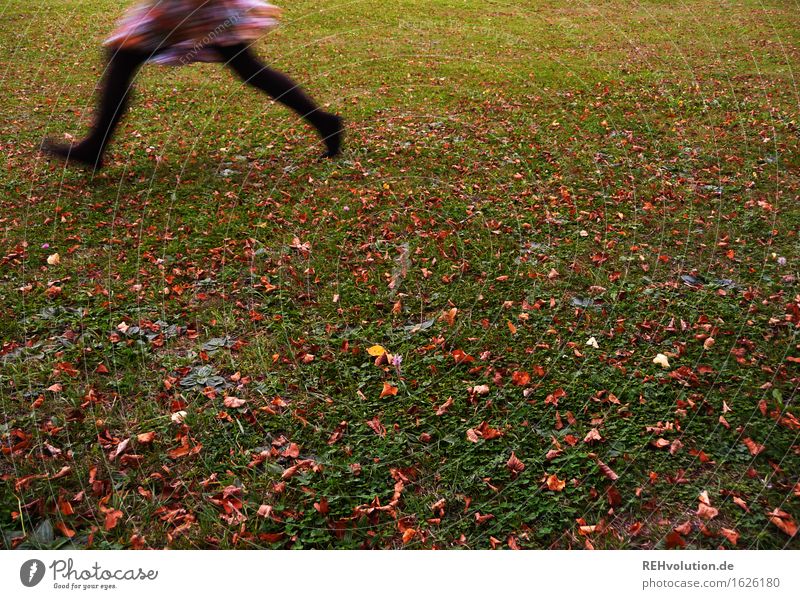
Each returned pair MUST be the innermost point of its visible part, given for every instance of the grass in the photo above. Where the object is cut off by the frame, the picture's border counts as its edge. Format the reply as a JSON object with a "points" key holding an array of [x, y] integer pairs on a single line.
{"points": [[519, 178]]}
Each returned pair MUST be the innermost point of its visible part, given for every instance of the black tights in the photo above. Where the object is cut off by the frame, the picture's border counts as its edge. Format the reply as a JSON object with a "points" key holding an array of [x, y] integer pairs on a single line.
{"points": [[124, 64]]}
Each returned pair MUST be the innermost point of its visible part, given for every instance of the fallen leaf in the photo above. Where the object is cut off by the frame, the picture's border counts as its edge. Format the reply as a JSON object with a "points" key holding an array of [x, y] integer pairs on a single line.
{"points": [[444, 407], [592, 436], [606, 470], [707, 512], [555, 484], [121, 447], [145, 438], [731, 535], [684, 529], [388, 389], [65, 530], [112, 519], [233, 402], [783, 521], [741, 503], [376, 426], [515, 465], [661, 360], [753, 447], [673, 540]]}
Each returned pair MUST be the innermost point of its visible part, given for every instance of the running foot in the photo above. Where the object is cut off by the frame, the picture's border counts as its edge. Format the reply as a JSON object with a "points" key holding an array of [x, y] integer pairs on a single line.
{"points": [[80, 153], [331, 129]]}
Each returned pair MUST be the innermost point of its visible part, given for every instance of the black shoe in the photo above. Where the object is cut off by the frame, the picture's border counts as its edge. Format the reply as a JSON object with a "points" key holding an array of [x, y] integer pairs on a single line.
{"points": [[81, 153], [331, 129]]}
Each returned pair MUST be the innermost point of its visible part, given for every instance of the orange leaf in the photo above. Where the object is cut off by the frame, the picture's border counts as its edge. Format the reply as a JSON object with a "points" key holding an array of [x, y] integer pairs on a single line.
{"points": [[461, 357], [146, 438], [481, 518], [450, 316], [520, 378], [292, 451], [444, 407], [741, 503], [752, 446], [112, 519], [555, 484], [783, 521], [731, 535], [409, 534], [388, 389], [65, 507], [553, 398], [707, 512], [65, 530], [684, 529]]}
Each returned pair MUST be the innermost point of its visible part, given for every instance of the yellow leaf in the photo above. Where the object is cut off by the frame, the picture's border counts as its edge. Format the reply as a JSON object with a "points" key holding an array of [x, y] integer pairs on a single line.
{"points": [[376, 350]]}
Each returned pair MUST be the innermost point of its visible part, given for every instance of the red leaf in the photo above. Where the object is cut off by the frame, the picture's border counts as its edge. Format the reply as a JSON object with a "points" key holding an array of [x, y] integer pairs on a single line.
{"points": [[515, 465], [461, 357], [376, 426], [337, 434], [674, 540], [520, 378]]}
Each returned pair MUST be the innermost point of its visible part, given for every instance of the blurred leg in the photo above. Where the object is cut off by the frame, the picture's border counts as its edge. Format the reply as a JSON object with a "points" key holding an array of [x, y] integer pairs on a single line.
{"points": [[281, 88], [115, 93]]}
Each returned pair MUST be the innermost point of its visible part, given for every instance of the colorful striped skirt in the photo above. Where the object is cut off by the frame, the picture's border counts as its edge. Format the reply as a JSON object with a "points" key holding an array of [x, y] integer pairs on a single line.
{"points": [[178, 32]]}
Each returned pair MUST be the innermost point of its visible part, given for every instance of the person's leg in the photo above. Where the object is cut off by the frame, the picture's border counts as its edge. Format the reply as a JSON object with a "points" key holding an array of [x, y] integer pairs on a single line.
{"points": [[117, 85], [280, 87]]}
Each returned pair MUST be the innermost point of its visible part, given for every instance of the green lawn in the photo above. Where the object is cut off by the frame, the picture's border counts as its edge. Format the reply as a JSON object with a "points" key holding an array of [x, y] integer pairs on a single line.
{"points": [[519, 178]]}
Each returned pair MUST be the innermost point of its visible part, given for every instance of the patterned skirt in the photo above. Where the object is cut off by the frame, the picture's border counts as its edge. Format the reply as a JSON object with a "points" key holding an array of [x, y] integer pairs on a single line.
{"points": [[178, 32]]}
